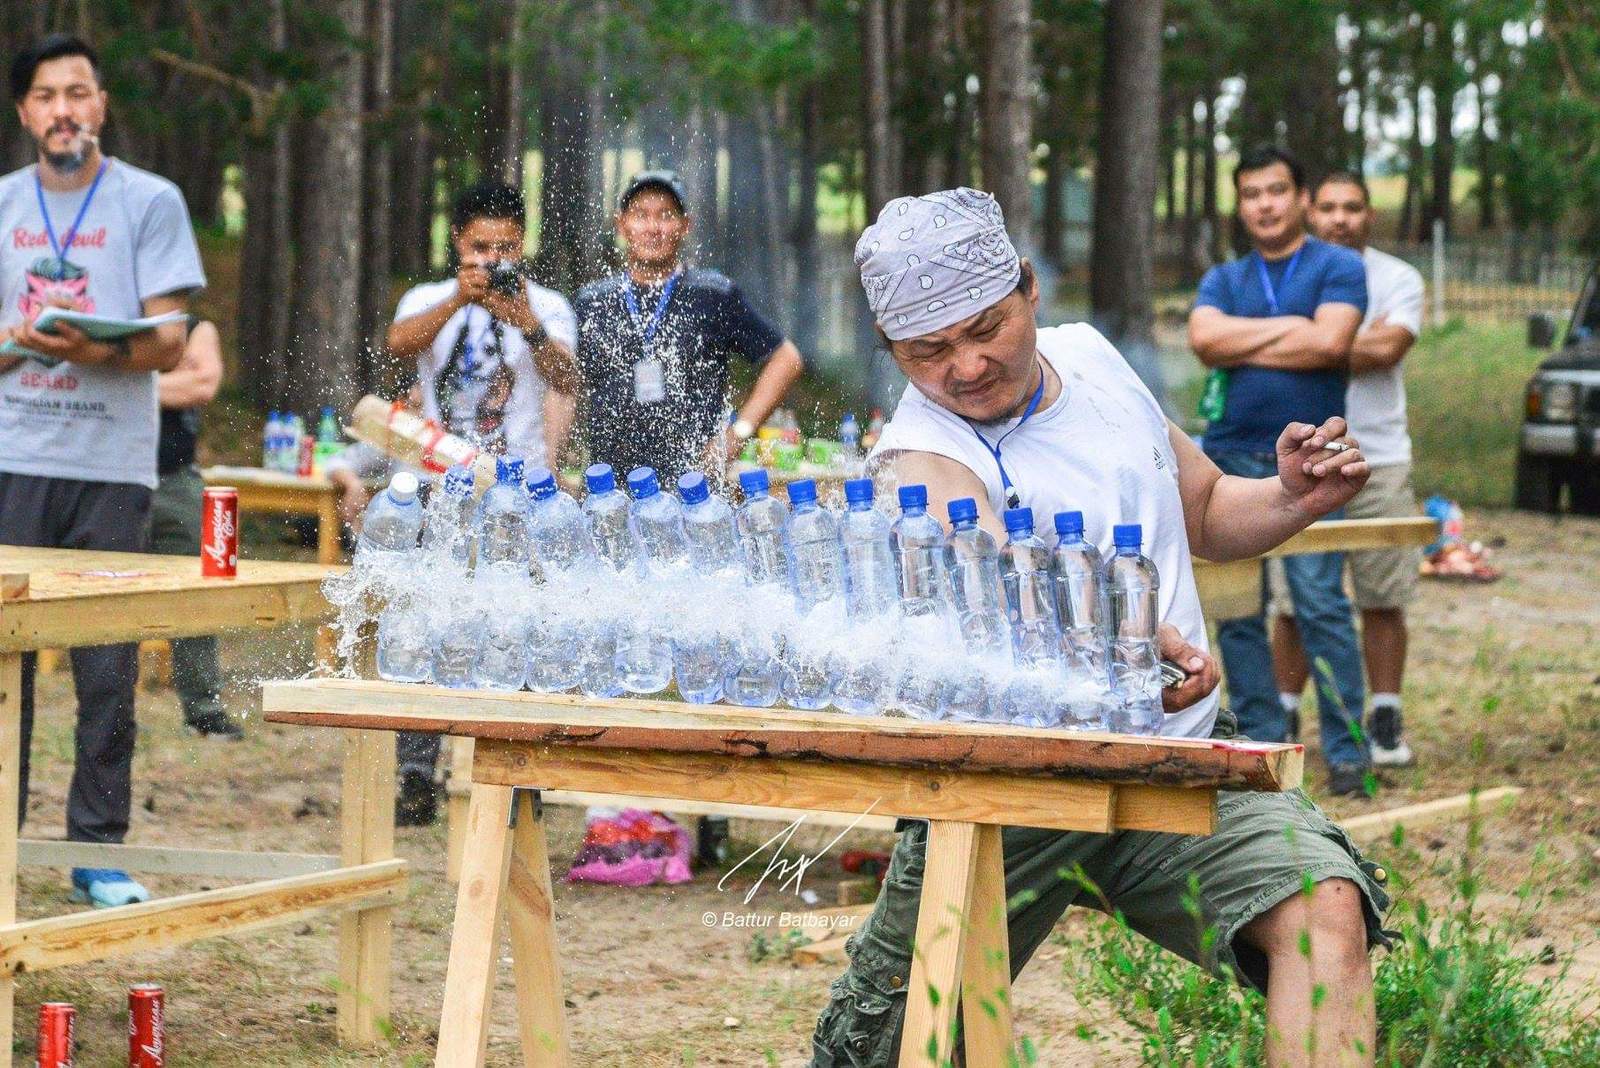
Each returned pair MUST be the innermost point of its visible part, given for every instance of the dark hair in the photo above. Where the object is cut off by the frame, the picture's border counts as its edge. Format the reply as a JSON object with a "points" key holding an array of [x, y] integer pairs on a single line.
{"points": [[55, 46], [1345, 177], [1262, 156], [488, 200]]}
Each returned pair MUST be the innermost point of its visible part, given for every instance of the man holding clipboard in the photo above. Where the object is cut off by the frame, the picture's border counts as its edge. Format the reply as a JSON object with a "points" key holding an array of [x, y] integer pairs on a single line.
{"points": [[78, 427]]}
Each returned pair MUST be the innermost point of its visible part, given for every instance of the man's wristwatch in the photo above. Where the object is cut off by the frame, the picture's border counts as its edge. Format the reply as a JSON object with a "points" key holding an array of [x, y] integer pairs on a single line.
{"points": [[743, 430]]}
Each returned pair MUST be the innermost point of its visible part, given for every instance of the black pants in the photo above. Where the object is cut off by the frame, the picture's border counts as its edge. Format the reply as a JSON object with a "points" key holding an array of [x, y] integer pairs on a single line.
{"points": [[64, 513]]}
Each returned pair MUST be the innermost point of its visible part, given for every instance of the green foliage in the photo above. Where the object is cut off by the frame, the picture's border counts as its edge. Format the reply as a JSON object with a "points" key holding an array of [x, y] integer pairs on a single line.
{"points": [[778, 946]]}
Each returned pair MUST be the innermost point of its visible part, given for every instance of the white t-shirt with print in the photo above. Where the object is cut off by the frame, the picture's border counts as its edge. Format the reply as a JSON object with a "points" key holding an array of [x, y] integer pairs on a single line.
{"points": [[1102, 449], [1375, 401], [494, 394]]}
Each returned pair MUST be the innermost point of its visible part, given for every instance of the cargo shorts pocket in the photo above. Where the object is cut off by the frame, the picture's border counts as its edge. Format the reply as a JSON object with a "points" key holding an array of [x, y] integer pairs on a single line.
{"points": [[865, 1011]]}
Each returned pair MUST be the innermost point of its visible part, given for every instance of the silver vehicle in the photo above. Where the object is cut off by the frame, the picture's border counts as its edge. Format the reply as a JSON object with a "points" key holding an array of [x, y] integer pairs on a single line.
{"points": [[1559, 447]]}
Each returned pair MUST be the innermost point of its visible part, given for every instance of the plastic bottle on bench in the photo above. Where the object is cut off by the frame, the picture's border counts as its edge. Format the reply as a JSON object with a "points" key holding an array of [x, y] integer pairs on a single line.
{"points": [[1133, 587]]}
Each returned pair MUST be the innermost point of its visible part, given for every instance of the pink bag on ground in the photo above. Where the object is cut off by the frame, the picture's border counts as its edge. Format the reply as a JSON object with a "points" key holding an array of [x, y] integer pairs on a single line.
{"points": [[634, 848]]}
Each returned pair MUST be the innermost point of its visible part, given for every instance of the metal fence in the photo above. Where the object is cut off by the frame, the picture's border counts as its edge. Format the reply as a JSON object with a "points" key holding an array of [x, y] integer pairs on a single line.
{"points": [[1496, 279]]}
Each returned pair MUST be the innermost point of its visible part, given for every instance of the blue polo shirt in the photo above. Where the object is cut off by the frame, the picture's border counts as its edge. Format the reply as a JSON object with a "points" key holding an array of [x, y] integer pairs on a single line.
{"points": [[1263, 400]]}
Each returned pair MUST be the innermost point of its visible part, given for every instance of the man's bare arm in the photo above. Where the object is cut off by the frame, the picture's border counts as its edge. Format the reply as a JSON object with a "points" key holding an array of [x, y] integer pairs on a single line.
{"points": [[413, 334], [783, 367], [199, 372], [947, 480], [560, 410], [149, 350], [1323, 343], [1223, 340], [1380, 346]]}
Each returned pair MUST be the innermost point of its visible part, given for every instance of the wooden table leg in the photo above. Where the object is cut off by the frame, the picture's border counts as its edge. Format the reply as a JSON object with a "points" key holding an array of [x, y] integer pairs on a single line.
{"points": [[986, 974], [937, 956], [458, 788], [327, 553], [469, 978], [10, 757], [366, 818], [531, 915]]}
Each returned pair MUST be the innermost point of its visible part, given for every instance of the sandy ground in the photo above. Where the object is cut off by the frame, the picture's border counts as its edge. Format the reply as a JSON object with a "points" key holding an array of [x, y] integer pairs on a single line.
{"points": [[1505, 688]]}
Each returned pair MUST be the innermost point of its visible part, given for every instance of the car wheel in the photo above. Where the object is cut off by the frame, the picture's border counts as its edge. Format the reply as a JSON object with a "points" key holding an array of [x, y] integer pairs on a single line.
{"points": [[1538, 484], [1586, 491]]}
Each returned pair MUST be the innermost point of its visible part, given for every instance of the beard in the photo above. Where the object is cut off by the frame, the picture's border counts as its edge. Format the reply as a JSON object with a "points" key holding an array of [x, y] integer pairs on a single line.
{"points": [[75, 157]]}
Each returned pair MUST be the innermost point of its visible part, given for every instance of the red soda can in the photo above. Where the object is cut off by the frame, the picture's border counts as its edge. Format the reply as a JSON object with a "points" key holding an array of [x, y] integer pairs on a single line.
{"points": [[147, 1026], [57, 1021], [219, 532], [308, 453]]}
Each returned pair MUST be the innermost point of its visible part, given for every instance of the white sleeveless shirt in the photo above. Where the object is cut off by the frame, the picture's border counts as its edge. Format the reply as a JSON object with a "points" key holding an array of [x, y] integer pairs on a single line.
{"points": [[1101, 449]]}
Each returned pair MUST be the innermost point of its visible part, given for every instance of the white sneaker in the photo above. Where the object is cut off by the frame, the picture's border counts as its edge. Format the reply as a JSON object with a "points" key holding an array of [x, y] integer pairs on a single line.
{"points": [[1398, 757]]}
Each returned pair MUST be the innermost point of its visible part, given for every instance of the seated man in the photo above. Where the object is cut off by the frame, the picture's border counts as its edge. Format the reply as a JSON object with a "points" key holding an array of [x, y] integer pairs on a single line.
{"points": [[1054, 419]]}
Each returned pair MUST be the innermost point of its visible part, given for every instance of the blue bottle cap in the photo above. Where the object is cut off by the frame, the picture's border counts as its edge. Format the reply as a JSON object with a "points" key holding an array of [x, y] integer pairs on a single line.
{"points": [[541, 483], [858, 491], [600, 478], [1069, 525], [642, 483], [1127, 535], [693, 487], [1019, 520], [913, 499], [963, 510], [458, 481], [803, 491], [327, 409], [508, 469], [755, 483]]}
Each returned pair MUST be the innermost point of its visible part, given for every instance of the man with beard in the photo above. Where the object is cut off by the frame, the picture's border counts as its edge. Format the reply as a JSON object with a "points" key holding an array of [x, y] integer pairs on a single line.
{"points": [[78, 426], [655, 343]]}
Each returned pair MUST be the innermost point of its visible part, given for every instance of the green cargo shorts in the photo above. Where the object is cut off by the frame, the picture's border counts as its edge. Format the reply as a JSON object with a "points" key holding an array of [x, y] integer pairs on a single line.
{"points": [[1265, 847]]}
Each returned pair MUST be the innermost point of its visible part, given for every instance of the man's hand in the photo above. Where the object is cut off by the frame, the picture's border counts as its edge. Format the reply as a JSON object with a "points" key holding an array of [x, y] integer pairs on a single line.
{"points": [[67, 342], [514, 309], [1203, 672], [1318, 479], [472, 283], [353, 497]]}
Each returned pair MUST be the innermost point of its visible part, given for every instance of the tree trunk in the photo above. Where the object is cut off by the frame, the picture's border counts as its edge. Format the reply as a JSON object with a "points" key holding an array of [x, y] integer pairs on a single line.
{"points": [[698, 168], [513, 145], [1411, 201], [328, 297], [1189, 269], [877, 126], [1444, 138], [266, 267], [1126, 171], [1007, 111], [1053, 225], [570, 195], [1485, 147], [377, 252], [1208, 134], [1169, 160], [803, 229], [943, 17]]}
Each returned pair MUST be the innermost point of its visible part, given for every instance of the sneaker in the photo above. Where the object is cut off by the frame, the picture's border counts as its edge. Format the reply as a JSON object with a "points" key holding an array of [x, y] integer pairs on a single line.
{"points": [[106, 888], [1389, 749], [711, 841], [216, 724], [1348, 780], [418, 802]]}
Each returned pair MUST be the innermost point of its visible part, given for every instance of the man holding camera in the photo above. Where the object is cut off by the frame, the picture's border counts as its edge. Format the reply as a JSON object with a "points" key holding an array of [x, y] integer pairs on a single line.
{"points": [[493, 349], [494, 366]]}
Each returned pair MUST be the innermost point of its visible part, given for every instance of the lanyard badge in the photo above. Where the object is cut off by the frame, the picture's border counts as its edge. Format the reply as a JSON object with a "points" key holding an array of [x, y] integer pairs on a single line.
{"points": [[60, 248], [649, 374]]}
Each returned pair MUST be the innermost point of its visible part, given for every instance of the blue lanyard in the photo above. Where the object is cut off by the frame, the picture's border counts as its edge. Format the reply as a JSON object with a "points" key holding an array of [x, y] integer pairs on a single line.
{"points": [[631, 301], [60, 247], [1012, 498], [1266, 280]]}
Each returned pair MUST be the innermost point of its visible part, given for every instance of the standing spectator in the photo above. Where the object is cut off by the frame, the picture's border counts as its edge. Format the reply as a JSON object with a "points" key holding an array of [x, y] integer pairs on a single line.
{"points": [[1384, 580], [78, 426], [1280, 322], [175, 516], [655, 341]]}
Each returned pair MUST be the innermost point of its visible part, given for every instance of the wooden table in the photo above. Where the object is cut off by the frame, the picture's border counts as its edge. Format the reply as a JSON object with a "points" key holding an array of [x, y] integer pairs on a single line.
{"points": [[278, 493], [66, 597], [967, 781]]}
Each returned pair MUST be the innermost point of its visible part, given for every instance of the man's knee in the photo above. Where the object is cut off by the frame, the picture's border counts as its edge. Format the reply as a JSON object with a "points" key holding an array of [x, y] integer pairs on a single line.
{"points": [[1332, 915]]}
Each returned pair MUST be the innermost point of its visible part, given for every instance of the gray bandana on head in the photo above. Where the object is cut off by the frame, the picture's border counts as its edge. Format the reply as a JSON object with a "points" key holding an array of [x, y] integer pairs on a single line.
{"points": [[934, 260]]}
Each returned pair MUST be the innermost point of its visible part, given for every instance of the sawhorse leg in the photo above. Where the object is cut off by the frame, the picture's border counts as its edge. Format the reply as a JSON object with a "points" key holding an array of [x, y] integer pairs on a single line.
{"points": [[961, 945], [10, 768], [327, 553], [458, 789], [366, 824], [493, 854]]}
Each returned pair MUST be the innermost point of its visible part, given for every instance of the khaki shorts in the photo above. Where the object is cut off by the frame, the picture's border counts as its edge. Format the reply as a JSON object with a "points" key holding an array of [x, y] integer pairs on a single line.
{"points": [[1379, 578], [1266, 848]]}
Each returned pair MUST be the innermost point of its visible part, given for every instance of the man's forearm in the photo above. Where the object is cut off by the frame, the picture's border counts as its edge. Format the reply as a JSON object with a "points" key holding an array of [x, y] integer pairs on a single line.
{"points": [[1380, 347], [160, 349], [1305, 348], [409, 336], [556, 365], [1245, 517], [560, 410], [1222, 340], [781, 371]]}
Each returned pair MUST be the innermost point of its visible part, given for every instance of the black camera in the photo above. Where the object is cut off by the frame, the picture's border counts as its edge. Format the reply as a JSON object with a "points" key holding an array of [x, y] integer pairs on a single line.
{"points": [[506, 276]]}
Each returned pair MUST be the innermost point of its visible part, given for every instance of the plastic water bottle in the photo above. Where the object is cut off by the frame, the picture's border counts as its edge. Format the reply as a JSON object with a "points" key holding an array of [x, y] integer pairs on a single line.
{"points": [[763, 523], [700, 655], [818, 558], [978, 597], [1133, 587], [1080, 607], [657, 521], [447, 528], [502, 662], [405, 640], [850, 435], [918, 540], [457, 639], [643, 656], [594, 647], [1030, 600], [392, 522], [558, 534], [755, 674], [328, 427], [709, 526], [871, 585], [552, 644], [606, 509], [269, 441], [502, 520]]}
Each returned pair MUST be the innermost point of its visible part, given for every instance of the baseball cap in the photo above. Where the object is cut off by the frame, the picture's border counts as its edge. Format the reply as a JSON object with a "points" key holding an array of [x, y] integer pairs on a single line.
{"points": [[662, 179]]}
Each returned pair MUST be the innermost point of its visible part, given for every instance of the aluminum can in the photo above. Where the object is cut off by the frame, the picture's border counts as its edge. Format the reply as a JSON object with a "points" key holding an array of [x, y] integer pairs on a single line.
{"points": [[308, 455], [219, 532], [57, 1022], [147, 1026]]}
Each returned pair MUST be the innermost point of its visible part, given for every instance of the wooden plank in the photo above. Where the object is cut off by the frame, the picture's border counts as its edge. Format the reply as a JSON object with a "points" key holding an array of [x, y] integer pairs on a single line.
{"points": [[1424, 813], [10, 770], [1352, 535], [172, 860], [58, 941], [14, 586], [1174, 809], [986, 797], [986, 967], [535, 959], [469, 976], [1228, 590], [584, 799], [366, 835], [828, 950], [937, 956], [671, 726], [457, 788]]}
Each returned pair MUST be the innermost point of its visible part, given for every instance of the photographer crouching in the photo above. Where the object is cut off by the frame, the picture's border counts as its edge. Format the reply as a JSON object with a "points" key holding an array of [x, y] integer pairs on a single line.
{"points": [[495, 365]]}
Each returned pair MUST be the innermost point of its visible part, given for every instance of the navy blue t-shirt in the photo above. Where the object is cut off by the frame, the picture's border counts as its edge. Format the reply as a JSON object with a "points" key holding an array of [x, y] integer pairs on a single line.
{"points": [[706, 324], [1263, 400]]}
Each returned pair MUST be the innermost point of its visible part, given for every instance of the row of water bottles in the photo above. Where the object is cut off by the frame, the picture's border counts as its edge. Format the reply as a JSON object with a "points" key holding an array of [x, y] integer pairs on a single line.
{"points": [[630, 592]]}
